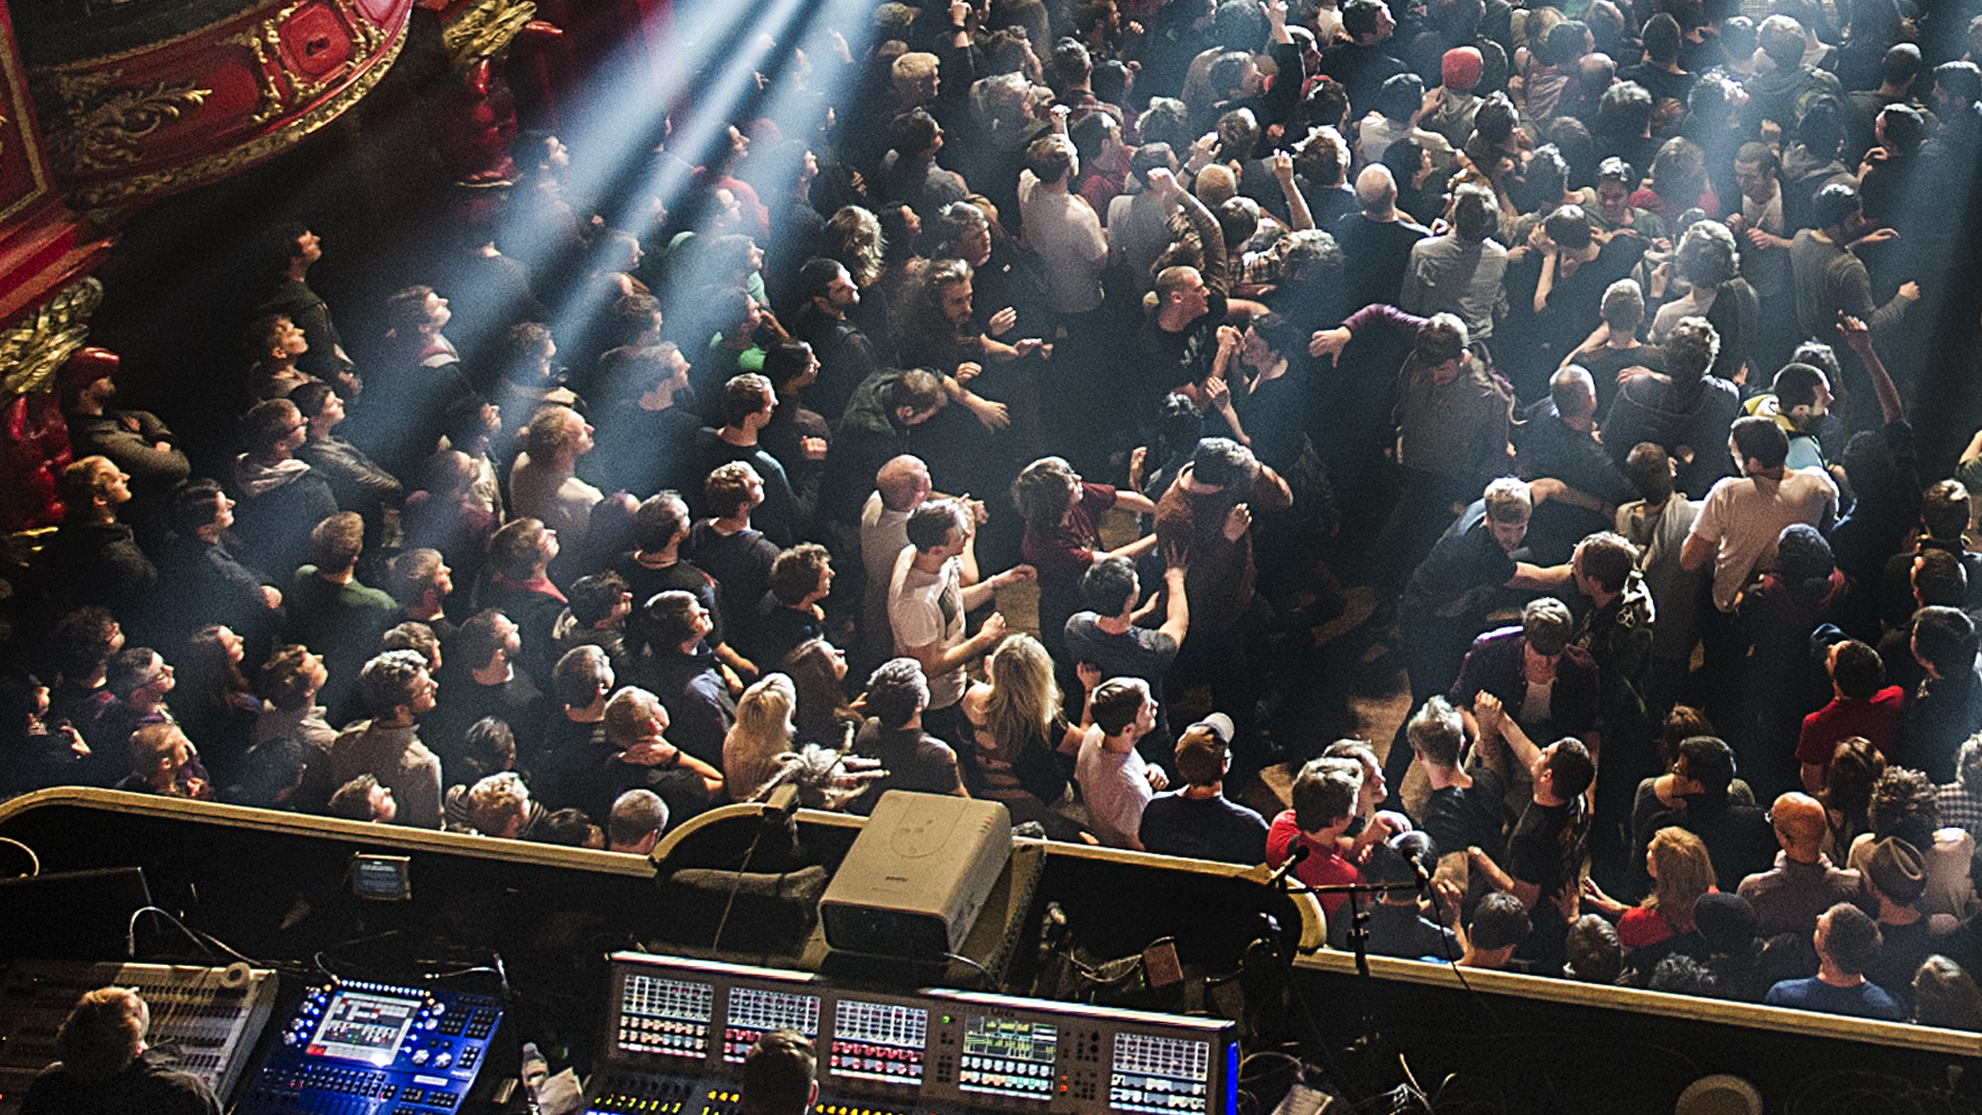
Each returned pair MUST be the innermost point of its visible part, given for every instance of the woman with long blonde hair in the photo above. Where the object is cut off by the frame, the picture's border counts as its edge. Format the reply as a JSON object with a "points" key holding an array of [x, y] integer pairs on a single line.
{"points": [[1018, 733], [1681, 872], [762, 752], [763, 731]]}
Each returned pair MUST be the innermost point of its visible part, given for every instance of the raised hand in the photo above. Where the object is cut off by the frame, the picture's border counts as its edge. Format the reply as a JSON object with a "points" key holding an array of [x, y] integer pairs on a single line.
{"points": [[1237, 521]]}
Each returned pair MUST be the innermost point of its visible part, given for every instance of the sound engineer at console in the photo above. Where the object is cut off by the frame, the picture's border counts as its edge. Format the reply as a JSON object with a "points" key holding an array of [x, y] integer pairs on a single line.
{"points": [[107, 1069], [780, 1075]]}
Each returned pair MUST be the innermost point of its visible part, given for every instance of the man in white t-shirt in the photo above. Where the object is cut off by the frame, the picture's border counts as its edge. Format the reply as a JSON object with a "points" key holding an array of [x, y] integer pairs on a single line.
{"points": [[1061, 226], [1743, 515], [934, 584], [1114, 780], [899, 488], [1737, 529]]}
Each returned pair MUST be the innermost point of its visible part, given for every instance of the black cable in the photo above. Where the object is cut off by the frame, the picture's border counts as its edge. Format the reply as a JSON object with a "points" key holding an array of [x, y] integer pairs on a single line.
{"points": [[1451, 942], [990, 981], [131, 931], [735, 886]]}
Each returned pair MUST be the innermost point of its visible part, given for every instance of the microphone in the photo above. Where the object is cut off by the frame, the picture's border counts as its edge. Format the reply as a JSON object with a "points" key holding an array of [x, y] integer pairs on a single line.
{"points": [[1424, 876], [1295, 855]]}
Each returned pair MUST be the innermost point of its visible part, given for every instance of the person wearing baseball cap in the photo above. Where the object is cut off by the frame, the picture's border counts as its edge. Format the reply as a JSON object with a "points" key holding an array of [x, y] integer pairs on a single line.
{"points": [[1197, 819]]}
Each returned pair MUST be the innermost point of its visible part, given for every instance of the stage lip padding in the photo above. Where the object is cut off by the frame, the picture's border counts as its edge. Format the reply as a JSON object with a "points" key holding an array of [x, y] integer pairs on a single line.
{"points": [[383, 837], [1959, 1043]]}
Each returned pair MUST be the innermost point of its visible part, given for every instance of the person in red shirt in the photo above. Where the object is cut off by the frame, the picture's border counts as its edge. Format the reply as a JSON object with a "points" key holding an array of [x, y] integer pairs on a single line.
{"points": [[1681, 872], [1324, 796], [1863, 705]]}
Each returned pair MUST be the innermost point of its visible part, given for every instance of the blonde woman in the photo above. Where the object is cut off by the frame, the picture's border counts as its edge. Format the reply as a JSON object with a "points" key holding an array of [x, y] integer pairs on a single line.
{"points": [[761, 753], [763, 731], [1018, 733], [1681, 872]]}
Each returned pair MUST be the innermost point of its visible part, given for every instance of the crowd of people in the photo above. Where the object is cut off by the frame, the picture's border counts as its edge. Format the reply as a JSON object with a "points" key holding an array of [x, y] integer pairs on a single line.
{"points": [[1581, 336]]}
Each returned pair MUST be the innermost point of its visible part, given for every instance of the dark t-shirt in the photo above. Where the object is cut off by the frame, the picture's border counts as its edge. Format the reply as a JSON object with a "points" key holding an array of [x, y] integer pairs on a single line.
{"points": [[1139, 652], [741, 565], [1902, 949], [644, 451], [914, 760], [1402, 931], [682, 791], [1171, 360], [142, 1089], [1546, 849], [1212, 828], [645, 583], [1457, 819], [1382, 251], [1543, 850], [778, 630], [566, 775], [782, 515]]}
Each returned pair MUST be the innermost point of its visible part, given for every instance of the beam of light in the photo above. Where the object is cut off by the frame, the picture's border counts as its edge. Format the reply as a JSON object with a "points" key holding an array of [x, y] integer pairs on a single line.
{"points": [[636, 141]]}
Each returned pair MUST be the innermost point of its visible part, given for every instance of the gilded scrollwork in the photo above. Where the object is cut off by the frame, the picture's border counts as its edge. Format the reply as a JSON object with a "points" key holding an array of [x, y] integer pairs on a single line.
{"points": [[484, 29], [32, 351], [96, 125], [268, 99], [264, 40], [161, 182]]}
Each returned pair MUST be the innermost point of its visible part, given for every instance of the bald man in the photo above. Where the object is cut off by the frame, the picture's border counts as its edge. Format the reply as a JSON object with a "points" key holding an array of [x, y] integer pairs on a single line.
{"points": [[900, 486], [1789, 897], [1378, 238]]}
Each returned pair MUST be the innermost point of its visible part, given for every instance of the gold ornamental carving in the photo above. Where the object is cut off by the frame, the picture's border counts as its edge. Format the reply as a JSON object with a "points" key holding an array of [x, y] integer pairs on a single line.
{"points": [[110, 194], [35, 349], [485, 29], [279, 89], [96, 125], [261, 42]]}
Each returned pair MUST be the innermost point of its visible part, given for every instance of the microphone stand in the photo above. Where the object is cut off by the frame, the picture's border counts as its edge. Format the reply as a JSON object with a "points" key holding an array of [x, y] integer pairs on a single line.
{"points": [[1358, 936]]}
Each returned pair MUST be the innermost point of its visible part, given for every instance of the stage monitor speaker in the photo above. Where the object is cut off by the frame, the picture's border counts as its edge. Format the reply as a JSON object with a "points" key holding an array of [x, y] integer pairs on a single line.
{"points": [[917, 875], [71, 915]]}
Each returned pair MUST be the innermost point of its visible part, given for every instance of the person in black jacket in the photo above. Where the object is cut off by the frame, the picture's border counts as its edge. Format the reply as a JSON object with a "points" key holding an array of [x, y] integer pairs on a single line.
{"points": [[205, 582], [105, 1067], [282, 498], [134, 440], [93, 558]]}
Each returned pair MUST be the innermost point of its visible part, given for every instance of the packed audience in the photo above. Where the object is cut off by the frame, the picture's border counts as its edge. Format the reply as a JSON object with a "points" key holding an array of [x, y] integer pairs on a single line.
{"points": [[1585, 344]]}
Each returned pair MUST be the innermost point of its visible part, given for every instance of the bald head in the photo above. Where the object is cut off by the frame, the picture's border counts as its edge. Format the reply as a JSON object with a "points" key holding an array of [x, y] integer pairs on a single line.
{"points": [[904, 482], [1800, 826], [1574, 393], [1376, 191], [1597, 73]]}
